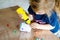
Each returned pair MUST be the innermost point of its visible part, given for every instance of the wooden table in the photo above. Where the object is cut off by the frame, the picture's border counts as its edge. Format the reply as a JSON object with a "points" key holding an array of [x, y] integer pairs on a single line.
{"points": [[9, 23]]}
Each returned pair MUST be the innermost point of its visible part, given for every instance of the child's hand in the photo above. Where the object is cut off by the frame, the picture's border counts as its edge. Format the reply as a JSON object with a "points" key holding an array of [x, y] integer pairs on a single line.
{"points": [[34, 25], [30, 17]]}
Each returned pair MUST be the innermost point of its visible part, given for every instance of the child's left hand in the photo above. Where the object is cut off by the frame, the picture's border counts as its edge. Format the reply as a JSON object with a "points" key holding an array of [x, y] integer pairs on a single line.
{"points": [[34, 25], [41, 26]]}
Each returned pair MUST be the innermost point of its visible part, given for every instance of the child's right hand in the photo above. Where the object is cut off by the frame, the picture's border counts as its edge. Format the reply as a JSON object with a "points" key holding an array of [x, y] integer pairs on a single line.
{"points": [[30, 17]]}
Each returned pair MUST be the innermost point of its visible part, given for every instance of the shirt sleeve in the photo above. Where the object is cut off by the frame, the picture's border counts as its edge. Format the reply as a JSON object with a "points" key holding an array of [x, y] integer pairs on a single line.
{"points": [[31, 11], [54, 22]]}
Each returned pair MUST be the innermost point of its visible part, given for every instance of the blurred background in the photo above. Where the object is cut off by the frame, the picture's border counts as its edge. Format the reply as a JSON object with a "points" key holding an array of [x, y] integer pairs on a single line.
{"points": [[9, 3]]}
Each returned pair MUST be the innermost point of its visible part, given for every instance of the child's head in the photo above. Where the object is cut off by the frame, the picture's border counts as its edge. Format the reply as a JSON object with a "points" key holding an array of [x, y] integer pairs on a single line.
{"points": [[42, 5]]}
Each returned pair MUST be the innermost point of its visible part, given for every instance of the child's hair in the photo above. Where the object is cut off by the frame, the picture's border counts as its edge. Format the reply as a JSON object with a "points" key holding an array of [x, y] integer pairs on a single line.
{"points": [[46, 5], [57, 7]]}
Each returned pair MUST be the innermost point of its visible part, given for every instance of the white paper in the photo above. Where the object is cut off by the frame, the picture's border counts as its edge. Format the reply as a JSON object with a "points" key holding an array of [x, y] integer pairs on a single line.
{"points": [[25, 27]]}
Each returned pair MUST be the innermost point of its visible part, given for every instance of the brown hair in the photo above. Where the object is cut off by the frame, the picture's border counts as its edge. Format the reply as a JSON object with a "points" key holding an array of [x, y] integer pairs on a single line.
{"points": [[57, 8]]}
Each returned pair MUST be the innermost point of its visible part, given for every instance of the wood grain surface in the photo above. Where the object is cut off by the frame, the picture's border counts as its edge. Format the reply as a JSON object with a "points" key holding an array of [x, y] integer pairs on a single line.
{"points": [[9, 27]]}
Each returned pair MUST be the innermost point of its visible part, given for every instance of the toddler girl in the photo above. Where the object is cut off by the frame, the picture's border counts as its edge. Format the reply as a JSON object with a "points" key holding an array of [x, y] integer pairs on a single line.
{"points": [[44, 15]]}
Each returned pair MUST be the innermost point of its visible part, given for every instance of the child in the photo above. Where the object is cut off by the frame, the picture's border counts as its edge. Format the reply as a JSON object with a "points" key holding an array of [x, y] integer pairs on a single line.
{"points": [[44, 15]]}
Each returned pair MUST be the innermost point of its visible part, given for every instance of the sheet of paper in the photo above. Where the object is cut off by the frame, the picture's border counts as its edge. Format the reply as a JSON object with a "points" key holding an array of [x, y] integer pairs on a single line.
{"points": [[25, 27]]}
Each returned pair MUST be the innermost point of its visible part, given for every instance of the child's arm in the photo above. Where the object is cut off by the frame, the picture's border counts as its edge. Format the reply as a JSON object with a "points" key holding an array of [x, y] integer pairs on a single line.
{"points": [[40, 26]]}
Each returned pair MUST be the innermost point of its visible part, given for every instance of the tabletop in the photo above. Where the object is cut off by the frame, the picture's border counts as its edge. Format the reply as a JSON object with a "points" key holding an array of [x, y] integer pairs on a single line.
{"points": [[9, 28]]}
